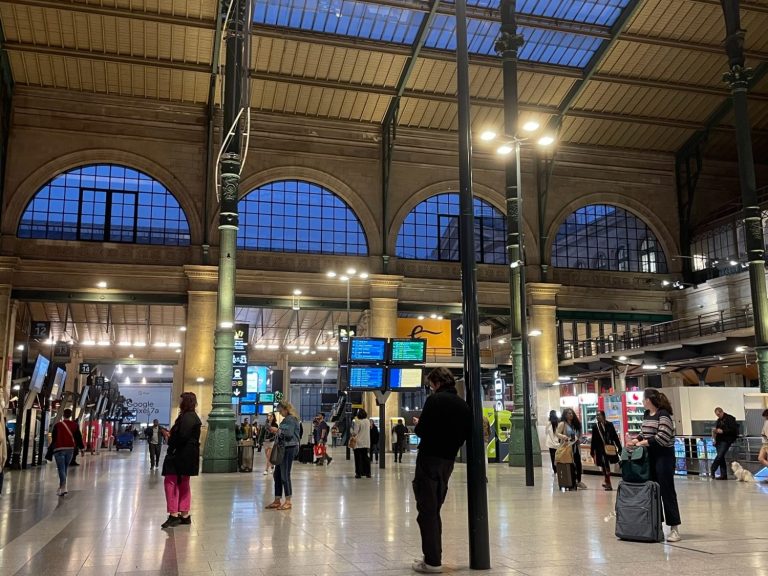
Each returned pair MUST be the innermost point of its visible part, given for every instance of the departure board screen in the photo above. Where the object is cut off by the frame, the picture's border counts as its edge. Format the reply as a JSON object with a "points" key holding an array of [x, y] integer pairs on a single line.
{"points": [[364, 350], [407, 350], [266, 398], [366, 377], [400, 378]]}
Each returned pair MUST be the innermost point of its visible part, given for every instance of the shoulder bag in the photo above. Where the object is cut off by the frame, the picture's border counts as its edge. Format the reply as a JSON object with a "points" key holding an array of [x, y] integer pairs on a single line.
{"points": [[609, 449], [278, 452], [564, 454]]}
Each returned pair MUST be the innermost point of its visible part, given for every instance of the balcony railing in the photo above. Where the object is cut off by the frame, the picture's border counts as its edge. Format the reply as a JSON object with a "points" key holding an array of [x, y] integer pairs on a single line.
{"points": [[666, 332]]}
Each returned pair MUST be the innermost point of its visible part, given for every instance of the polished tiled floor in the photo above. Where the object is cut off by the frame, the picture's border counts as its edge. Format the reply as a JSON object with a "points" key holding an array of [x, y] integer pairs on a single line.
{"points": [[109, 524]]}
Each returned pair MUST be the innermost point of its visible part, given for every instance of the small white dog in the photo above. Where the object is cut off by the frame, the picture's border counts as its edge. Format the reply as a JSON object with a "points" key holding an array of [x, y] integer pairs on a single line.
{"points": [[742, 474]]}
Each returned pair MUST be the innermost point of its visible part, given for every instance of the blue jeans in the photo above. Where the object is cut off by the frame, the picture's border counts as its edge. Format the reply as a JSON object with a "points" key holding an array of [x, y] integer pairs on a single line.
{"points": [[719, 461], [63, 458], [282, 474]]}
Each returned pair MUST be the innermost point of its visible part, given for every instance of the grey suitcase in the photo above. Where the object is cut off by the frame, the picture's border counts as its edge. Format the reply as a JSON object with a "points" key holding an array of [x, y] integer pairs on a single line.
{"points": [[638, 512]]}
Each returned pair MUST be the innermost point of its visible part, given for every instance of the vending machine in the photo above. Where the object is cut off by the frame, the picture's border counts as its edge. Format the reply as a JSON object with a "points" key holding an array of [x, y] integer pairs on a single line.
{"points": [[632, 414], [589, 406]]}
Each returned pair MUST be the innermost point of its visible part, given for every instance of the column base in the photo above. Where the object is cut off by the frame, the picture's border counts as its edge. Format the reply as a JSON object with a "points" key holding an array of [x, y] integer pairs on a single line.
{"points": [[516, 456], [220, 453]]}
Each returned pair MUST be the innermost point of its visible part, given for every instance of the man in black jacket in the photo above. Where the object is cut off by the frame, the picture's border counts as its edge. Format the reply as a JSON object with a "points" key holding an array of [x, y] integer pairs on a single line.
{"points": [[726, 431], [443, 427]]}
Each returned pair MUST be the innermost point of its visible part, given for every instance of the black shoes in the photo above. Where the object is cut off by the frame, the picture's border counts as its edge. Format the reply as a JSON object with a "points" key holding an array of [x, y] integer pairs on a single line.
{"points": [[185, 521], [172, 521]]}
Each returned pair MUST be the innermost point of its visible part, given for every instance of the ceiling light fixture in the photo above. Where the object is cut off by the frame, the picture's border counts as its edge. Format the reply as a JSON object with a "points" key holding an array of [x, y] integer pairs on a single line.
{"points": [[101, 284], [488, 135], [226, 325], [535, 332], [531, 126]]}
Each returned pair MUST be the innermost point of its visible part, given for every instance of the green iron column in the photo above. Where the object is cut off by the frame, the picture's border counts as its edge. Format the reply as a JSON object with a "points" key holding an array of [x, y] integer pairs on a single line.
{"points": [[738, 78], [523, 437], [220, 454]]}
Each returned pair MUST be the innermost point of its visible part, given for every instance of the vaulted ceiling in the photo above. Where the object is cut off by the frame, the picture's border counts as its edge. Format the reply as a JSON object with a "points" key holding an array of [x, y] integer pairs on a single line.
{"points": [[629, 74]]}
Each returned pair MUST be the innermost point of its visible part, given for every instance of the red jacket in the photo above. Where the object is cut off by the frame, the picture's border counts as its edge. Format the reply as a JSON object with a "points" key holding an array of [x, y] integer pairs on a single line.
{"points": [[62, 440]]}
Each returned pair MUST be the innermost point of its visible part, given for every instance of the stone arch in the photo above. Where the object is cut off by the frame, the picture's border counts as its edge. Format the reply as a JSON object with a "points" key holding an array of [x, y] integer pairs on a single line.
{"points": [[636, 207], [32, 184], [481, 191], [331, 183]]}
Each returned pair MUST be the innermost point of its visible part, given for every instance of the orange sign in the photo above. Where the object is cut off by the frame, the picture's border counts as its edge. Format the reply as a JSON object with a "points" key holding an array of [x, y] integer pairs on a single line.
{"points": [[437, 333]]}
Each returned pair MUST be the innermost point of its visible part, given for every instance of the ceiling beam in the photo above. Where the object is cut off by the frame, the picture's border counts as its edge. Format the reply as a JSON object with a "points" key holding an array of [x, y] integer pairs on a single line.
{"points": [[541, 22], [594, 63], [330, 84], [405, 74], [116, 12]]}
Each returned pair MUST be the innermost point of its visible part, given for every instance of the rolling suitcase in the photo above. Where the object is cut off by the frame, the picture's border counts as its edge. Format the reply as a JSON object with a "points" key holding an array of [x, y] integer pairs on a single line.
{"points": [[638, 512], [306, 453], [566, 476]]}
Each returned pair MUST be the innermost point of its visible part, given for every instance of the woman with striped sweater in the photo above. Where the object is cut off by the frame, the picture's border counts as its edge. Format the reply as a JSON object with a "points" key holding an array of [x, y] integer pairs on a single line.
{"points": [[658, 435]]}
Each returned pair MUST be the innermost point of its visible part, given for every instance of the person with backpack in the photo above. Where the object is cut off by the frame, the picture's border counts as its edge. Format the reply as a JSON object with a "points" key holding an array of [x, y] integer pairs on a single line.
{"points": [[658, 436]]}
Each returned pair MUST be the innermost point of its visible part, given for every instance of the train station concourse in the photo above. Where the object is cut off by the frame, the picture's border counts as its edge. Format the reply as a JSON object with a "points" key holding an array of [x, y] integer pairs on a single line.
{"points": [[315, 203]]}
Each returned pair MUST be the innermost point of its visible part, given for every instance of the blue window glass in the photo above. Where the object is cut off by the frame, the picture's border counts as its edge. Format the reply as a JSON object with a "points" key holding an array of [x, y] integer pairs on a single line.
{"points": [[343, 17], [298, 216], [545, 46], [105, 203], [601, 12], [605, 237], [431, 231]]}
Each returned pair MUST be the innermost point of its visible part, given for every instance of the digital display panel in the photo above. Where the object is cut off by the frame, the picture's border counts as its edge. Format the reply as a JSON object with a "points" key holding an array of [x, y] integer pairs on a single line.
{"points": [[251, 398], [367, 350], [38, 376], [257, 379], [266, 408], [366, 377], [400, 378], [248, 409], [407, 350], [267, 398]]}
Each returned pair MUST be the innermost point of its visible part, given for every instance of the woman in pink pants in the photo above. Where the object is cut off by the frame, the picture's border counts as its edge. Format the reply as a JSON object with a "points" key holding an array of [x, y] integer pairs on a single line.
{"points": [[182, 460]]}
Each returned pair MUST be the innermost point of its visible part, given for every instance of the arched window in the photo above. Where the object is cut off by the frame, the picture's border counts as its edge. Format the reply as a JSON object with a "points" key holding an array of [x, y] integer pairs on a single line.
{"points": [[298, 216], [105, 203], [431, 231], [605, 229]]}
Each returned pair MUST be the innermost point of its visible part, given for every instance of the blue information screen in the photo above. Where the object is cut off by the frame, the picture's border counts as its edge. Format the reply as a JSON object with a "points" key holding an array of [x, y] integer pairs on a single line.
{"points": [[248, 409], [366, 377], [410, 350], [367, 349], [267, 398]]}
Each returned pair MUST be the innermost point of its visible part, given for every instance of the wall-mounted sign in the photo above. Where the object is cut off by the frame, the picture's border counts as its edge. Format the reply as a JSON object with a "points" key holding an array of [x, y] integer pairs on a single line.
{"points": [[85, 368]]}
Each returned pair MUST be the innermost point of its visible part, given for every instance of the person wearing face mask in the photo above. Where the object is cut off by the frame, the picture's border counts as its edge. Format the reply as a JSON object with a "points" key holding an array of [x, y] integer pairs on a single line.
{"points": [[444, 425]]}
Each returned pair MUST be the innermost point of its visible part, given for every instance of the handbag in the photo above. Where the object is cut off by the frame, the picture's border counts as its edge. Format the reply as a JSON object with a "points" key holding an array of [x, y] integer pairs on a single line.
{"points": [[635, 465], [277, 454], [352, 443], [609, 449], [564, 454]]}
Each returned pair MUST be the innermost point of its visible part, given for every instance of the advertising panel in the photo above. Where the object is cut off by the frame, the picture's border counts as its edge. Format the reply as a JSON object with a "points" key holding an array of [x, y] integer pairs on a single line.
{"points": [[150, 402]]}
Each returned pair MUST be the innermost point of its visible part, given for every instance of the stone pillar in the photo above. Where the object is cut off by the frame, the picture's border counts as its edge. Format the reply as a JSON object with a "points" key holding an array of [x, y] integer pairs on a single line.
{"points": [[383, 298], [283, 364], [198, 352], [8, 328], [542, 307]]}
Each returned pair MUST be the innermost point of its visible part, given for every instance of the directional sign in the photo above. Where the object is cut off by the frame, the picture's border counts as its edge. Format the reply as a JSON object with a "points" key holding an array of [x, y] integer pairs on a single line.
{"points": [[240, 360], [41, 330], [85, 368]]}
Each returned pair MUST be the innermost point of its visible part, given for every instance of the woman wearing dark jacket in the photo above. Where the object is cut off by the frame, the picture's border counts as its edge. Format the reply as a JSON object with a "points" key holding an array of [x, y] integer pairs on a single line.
{"points": [[182, 460], [604, 434]]}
